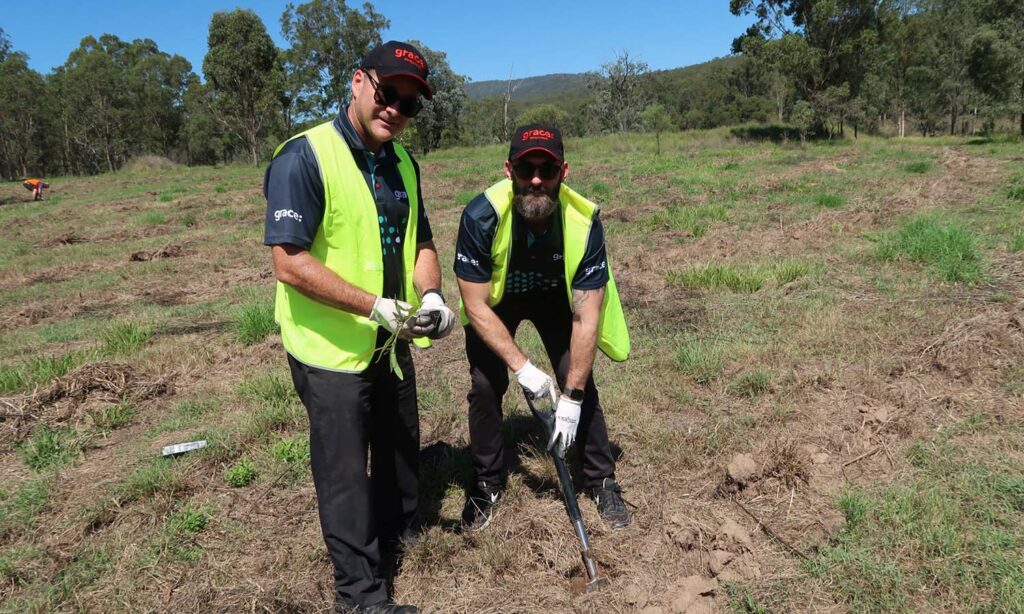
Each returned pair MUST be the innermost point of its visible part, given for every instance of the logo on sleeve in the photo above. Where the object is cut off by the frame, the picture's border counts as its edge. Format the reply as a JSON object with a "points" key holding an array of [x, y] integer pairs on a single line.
{"points": [[590, 269], [283, 213], [472, 261]]}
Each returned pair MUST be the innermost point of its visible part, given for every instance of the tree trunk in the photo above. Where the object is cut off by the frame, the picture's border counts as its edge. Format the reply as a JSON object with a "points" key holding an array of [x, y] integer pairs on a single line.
{"points": [[952, 119], [903, 122]]}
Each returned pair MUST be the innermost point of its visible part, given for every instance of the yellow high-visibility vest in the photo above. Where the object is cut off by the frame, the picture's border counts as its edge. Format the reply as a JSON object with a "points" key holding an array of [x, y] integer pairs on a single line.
{"points": [[348, 243], [577, 217]]}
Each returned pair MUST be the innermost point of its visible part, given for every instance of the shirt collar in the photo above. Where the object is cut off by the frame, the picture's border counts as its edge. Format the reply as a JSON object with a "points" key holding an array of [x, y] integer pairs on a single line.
{"points": [[343, 125]]}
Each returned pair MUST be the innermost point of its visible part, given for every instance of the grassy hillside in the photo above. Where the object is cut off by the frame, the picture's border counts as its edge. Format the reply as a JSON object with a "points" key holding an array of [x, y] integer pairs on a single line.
{"points": [[823, 412]]}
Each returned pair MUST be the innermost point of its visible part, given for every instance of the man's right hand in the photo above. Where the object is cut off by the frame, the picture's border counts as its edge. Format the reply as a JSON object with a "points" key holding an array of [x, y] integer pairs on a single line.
{"points": [[390, 313], [536, 382]]}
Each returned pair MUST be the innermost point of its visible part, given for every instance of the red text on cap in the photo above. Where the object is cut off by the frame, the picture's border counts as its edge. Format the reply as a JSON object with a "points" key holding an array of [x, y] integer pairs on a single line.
{"points": [[542, 135], [412, 58]]}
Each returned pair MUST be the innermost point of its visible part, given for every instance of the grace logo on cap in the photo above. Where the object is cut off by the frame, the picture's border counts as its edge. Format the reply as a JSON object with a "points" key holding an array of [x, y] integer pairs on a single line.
{"points": [[410, 57], [542, 135]]}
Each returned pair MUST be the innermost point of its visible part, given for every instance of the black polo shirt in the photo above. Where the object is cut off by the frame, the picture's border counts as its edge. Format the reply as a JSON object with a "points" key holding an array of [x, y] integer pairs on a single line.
{"points": [[536, 264], [295, 198]]}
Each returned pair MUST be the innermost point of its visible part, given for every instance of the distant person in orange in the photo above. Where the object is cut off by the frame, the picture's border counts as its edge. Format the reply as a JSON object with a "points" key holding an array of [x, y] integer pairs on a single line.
{"points": [[36, 187]]}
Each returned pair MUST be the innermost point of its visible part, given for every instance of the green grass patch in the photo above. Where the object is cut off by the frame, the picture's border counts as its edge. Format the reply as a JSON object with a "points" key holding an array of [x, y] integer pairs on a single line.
{"points": [[693, 220], [114, 416], [293, 455], [20, 509], [185, 414], [11, 379], [600, 191], [189, 520], [919, 167], [753, 383], [1016, 243], [947, 248], [829, 201], [254, 322], [951, 539], [39, 370], [714, 276], [241, 473], [700, 359], [278, 406], [1015, 193], [271, 390], [124, 338], [50, 448], [153, 218], [292, 451], [158, 476]]}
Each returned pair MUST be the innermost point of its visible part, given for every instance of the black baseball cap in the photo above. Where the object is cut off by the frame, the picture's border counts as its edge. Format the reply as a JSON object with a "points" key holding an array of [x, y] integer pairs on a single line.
{"points": [[393, 59], [536, 137]]}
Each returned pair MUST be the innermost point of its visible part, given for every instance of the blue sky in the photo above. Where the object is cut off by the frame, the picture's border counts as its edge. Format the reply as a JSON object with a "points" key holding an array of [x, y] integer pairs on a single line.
{"points": [[483, 40]]}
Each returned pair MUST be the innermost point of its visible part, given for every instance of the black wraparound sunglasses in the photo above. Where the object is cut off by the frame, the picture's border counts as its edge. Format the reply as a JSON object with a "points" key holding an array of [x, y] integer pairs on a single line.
{"points": [[387, 96], [525, 170]]}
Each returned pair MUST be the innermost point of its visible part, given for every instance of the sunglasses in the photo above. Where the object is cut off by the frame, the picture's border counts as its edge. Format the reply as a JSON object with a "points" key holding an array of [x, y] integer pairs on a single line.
{"points": [[548, 170], [387, 96]]}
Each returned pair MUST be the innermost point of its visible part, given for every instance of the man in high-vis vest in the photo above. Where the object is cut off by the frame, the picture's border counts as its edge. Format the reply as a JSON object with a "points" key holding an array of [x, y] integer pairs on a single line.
{"points": [[356, 266], [531, 248]]}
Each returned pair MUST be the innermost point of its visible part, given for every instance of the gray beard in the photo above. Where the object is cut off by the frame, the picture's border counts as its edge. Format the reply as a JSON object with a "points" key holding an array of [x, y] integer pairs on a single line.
{"points": [[534, 207]]}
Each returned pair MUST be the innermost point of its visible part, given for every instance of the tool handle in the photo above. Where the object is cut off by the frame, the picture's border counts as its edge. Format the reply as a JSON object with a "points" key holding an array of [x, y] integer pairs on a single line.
{"points": [[547, 418]]}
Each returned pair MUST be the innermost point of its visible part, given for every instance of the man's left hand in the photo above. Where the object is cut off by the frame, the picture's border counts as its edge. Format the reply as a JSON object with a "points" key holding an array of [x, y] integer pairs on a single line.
{"points": [[567, 418], [433, 319]]}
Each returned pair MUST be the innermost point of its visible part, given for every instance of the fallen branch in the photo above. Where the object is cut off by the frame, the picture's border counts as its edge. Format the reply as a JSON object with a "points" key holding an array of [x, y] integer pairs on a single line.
{"points": [[870, 452], [772, 534]]}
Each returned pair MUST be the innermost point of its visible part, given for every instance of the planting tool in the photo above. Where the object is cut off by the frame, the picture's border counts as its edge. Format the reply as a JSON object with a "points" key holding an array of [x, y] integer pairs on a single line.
{"points": [[547, 418]]}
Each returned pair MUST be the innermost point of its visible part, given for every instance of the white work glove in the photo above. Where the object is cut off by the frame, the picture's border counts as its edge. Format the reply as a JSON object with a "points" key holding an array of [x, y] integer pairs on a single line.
{"points": [[433, 319], [567, 418], [391, 314], [536, 383]]}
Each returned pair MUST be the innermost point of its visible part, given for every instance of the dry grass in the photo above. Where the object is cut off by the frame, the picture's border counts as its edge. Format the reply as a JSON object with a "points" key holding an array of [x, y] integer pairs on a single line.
{"points": [[857, 365]]}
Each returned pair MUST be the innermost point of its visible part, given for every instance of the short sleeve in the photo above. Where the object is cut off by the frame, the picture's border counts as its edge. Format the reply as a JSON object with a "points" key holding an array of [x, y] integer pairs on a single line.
{"points": [[473, 245], [593, 271], [295, 196]]}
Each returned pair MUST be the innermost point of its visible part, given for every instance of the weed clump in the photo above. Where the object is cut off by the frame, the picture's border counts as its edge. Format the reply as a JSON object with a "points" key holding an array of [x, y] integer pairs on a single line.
{"points": [[949, 249], [241, 473], [254, 322], [829, 201], [919, 167], [701, 360], [50, 448], [124, 338]]}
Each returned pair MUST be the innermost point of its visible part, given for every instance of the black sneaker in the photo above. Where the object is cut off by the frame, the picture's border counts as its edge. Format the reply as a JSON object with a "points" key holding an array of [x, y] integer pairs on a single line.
{"points": [[610, 506], [479, 507]]}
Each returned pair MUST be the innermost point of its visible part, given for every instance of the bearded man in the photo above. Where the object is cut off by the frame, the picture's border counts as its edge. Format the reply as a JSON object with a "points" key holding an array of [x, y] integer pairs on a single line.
{"points": [[531, 248]]}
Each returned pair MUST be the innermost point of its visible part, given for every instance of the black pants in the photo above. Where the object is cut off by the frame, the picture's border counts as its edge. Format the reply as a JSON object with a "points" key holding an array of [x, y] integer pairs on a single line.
{"points": [[490, 378], [360, 514]]}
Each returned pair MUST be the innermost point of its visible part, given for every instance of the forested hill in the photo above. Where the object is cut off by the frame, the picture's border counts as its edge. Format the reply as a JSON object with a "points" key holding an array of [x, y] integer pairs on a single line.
{"points": [[529, 88], [553, 88]]}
